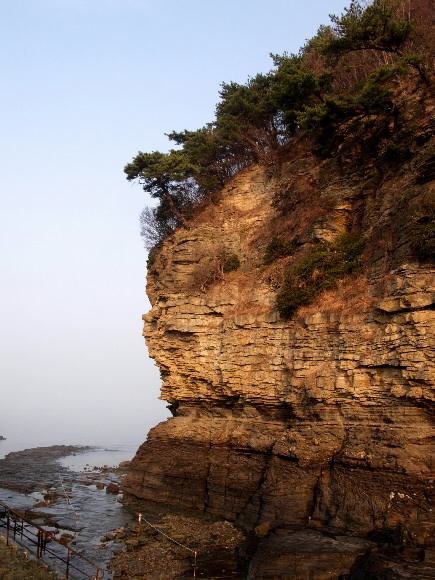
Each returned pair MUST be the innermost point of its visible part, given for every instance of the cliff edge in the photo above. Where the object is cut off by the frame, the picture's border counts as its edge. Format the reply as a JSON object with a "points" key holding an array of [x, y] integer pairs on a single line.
{"points": [[321, 421]]}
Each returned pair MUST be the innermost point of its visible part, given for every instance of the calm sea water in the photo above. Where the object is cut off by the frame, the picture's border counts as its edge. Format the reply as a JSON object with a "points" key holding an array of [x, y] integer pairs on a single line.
{"points": [[112, 433], [99, 456], [110, 456]]}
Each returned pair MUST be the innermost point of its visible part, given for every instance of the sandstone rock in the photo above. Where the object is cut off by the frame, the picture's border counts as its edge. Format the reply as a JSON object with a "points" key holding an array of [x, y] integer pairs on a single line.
{"points": [[112, 488], [66, 538], [325, 418], [262, 530], [306, 554]]}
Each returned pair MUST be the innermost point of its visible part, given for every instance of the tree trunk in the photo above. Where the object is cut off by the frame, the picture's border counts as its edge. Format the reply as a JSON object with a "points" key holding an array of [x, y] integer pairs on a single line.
{"points": [[176, 211]]}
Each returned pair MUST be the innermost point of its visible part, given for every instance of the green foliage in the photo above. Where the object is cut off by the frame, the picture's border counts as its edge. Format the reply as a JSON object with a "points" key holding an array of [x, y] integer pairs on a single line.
{"points": [[277, 248], [397, 149], [170, 178], [295, 87], [206, 148], [333, 260], [247, 120], [230, 263], [292, 296], [157, 170], [377, 27], [245, 105], [322, 268], [372, 27], [355, 112], [424, 233], [374, 96]]}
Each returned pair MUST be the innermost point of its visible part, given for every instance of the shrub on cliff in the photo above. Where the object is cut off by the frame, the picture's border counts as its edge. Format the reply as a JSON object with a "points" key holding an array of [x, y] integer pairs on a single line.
{"points": [[424, 233], [212, 263], [208, 271], [322, 268], [277, 248], [231, 263]]}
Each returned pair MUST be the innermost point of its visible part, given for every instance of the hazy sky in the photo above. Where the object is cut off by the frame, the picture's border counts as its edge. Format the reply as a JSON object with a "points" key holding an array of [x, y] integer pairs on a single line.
{"points": [[86, 84]]}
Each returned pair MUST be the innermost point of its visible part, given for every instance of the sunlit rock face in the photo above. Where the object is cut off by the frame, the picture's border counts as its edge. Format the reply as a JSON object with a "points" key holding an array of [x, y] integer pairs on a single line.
{"points": [[324, 419]]}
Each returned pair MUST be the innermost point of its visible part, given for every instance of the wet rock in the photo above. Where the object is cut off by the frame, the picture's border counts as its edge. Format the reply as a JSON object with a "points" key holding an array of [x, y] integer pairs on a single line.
{"points": [[35, 469], [52, 496], [307, 554], [66, 538], [112, 488], [40, 504], [132, 544]]}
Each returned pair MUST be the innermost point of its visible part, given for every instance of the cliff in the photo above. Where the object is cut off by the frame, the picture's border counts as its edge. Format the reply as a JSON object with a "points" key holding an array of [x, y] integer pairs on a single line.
{"points": [[315, 423]]}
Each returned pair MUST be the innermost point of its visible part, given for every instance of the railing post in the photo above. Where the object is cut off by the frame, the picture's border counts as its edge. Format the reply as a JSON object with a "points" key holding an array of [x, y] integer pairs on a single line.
{"points": [[16, 522], [8, 523], [67, 563]]}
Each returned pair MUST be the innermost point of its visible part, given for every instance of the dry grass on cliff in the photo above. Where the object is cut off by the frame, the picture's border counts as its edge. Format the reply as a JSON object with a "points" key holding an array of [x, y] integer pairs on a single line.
{"points": [[209, 267], [349, 297], [297, 209], [247, 308], [244, 289]]}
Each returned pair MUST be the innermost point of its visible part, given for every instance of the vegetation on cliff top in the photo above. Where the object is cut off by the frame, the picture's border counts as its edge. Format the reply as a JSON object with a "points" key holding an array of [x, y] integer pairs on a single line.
{"points": [[339, 85]]}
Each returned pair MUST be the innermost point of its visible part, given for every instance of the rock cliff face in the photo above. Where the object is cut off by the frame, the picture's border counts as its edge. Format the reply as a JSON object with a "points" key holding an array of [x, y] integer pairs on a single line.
{"points": [[324, 420]]}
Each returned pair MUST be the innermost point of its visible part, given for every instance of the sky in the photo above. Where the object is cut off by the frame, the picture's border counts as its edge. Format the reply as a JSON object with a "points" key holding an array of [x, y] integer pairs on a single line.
{"points": [[86, 84]]}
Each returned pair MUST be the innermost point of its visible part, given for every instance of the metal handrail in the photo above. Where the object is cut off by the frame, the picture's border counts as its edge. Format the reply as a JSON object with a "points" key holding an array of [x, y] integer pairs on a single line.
{"points": [[19, 525]]}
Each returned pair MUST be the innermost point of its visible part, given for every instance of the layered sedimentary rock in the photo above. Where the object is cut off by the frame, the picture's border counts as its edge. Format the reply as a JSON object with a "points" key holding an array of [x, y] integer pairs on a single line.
{"points": [[325, 419]]}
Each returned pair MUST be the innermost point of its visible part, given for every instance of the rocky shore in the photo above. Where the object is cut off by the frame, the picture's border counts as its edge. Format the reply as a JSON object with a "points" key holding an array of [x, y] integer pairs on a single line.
{"points": [[161, 546], [291, 552], [176, 546], [165, 545], [76, 508]]}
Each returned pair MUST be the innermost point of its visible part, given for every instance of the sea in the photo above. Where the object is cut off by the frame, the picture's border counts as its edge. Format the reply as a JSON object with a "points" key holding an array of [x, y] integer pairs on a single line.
{"points": [[97, 456], [90, 512]]}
